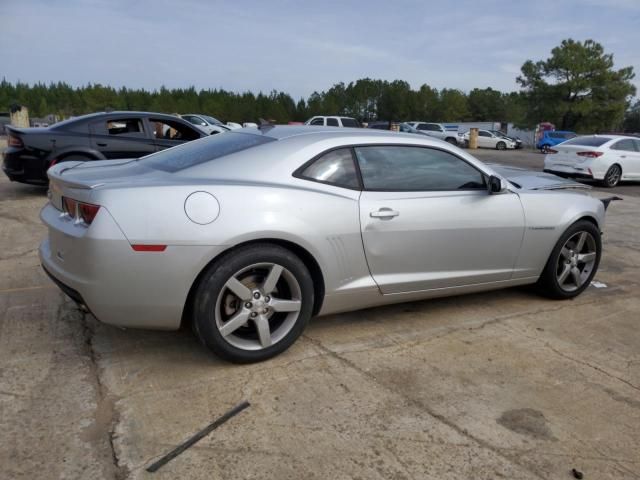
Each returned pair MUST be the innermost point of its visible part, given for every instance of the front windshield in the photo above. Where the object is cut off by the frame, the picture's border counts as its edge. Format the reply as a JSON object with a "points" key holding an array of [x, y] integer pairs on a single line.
{"points": [[211, 120], [406, 128]]}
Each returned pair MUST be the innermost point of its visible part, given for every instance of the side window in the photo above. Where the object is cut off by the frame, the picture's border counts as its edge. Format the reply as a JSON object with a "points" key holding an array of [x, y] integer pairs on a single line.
{"points": [[335, 167], [483, 133], [171, 130], [349, 122], [637, 142], [628, 145], [317, 121], [433, 128], [422, 126], [400, 168], [332, 122], [126, 127]]}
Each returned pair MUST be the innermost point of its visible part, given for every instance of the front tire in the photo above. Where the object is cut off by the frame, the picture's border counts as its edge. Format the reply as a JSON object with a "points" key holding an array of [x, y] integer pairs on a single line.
{"points": [[572, 263], [253, 303], [544, 149], [501, 146], [612, 177], [451, 141]]}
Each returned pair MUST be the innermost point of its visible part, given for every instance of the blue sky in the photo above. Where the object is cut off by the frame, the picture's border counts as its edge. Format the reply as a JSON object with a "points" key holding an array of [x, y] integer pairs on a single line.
{"points": [[300, 46]]}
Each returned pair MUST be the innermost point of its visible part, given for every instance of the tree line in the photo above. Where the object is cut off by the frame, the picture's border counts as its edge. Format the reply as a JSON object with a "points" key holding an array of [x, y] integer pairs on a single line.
{"points": [[577, 88]]}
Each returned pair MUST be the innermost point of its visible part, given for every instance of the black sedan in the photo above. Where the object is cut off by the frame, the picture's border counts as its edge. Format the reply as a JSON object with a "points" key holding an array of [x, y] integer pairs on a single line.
{"points": [[98, 136]]}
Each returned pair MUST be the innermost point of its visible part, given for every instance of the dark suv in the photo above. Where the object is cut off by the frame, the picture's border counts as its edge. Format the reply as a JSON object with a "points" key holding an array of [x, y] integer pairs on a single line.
{"points": [[98, 136]]}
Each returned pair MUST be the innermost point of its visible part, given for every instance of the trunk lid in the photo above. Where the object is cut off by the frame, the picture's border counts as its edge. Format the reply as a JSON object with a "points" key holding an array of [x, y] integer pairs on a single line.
{"points": [[568, 154], [77, 180]]}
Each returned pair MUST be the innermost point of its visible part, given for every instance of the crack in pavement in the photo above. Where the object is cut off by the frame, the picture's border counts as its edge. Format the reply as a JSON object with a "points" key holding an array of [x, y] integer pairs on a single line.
{"points": [[594, 367], [417, 404], [105, 402]]}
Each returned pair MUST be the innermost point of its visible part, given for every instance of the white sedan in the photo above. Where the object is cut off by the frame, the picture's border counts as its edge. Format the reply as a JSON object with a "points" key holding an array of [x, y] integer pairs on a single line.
{"points": [[487, 139], [608, 158], [206, 123]]}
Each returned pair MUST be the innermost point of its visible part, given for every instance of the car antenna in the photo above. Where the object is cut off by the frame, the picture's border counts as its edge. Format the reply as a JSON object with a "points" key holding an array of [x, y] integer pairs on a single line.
{"points": [[265, 125]]}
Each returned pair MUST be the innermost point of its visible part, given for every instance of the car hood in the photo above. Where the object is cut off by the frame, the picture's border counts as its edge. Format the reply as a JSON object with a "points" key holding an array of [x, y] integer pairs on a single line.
{"points": [[531, 180]]}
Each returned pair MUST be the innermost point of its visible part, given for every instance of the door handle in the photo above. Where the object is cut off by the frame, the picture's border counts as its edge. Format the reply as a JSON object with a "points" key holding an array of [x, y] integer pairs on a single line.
{"points": [[384, 213], [101, 144], [623, 156]]}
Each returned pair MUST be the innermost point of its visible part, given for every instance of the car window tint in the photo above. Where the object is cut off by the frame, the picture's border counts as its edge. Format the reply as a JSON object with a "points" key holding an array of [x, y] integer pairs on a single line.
{"points": [[400, 168], [332, 122], [335, 167], [209, 148], [349, 122], [129, 127], [317, 121], [588, 141], [172, 130], [482, 133], [432, 128], [627, 145]]}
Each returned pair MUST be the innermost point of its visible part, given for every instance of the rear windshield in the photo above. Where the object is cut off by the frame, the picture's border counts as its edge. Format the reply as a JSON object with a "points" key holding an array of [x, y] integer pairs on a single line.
{"points": [[587, 141], [204, 150]]}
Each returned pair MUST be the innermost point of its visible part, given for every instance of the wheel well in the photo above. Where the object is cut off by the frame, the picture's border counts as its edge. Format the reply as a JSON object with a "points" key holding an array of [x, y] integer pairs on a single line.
{"points": [[590, 219], [304, 255], [76, 154]]}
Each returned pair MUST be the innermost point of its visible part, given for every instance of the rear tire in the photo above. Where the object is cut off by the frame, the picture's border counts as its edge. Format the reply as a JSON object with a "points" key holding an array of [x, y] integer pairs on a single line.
{"points": [[452, 141], [253, 303], [501, 146], [612, 177], [572, 263]]}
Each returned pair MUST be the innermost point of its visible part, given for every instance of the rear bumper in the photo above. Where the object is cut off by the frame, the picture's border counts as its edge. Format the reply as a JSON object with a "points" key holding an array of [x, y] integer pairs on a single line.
{"points": [[97, 267], [19, 166]]}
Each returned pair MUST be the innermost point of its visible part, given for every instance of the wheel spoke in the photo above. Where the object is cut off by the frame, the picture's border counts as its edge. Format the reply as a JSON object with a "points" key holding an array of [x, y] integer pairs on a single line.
{"points": [[272, 279], [587, 257], [575, 273], [279, 305], [240, 290], [565, 273], [234, 323], [581, 240], [264, 332], [565, 252]]}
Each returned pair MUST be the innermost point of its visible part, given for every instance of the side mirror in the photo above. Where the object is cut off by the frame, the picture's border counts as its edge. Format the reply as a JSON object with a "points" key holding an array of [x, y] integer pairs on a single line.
{"points": [[494, 185]]}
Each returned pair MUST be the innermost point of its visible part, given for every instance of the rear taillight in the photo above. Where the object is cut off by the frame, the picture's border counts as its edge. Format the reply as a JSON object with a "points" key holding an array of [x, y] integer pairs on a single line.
{"points": [[551, 150], [69, 206], [80, 211], [590, 154], [14, 141], [87, 212]]}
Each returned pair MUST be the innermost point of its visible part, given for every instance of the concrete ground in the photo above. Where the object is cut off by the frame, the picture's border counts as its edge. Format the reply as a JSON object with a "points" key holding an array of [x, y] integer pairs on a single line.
{"points": [[496, 385]]}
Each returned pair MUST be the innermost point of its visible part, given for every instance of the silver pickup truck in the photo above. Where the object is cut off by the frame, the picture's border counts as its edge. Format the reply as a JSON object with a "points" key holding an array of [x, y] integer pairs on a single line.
{"points": [[436, 130]]}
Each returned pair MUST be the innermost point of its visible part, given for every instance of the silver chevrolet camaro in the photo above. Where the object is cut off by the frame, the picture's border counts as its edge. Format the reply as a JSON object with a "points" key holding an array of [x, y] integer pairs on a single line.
{"points": [[248, 234]]}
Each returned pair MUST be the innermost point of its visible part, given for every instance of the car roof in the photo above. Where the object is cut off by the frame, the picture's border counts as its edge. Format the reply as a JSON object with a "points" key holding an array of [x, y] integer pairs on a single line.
{"points": [[280, 132], [118, 113]]}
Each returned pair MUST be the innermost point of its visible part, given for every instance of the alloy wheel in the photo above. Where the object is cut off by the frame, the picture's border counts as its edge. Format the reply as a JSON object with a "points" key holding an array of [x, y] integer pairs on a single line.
{"points": [[576, 261], [258, 306], [613, 176]]}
